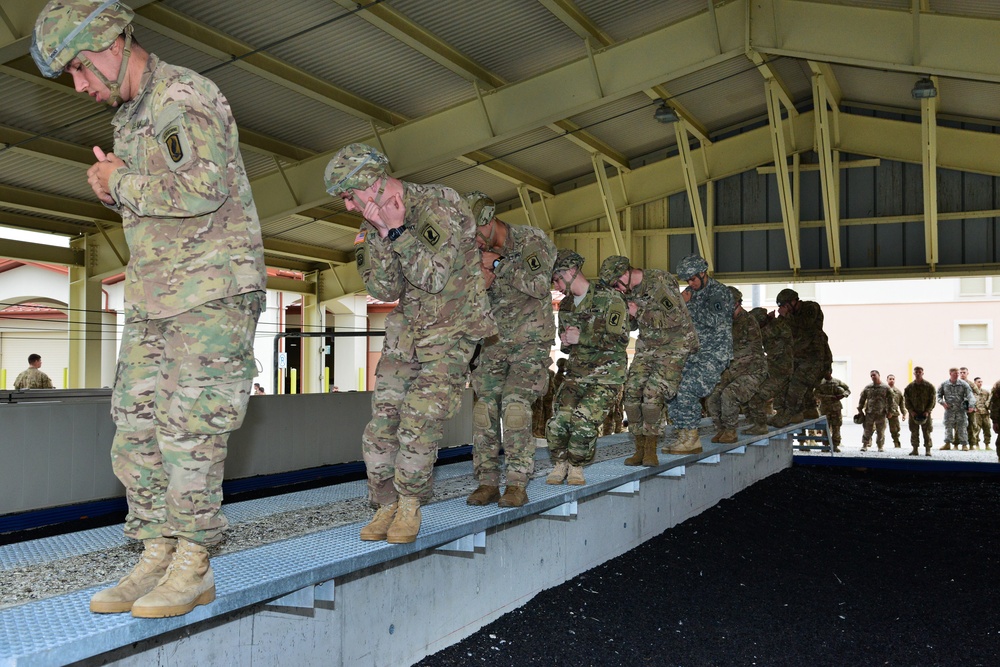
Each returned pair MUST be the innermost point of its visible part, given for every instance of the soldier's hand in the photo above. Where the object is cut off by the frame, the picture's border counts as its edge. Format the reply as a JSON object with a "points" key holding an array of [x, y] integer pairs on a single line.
{"points": [[686, 295], [100, 173], [633, 308], [571, 336], [385, 216]]}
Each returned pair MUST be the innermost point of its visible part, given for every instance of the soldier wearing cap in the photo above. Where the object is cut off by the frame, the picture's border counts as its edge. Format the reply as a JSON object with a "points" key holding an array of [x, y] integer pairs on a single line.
{"points": [[742, 378], [776, 337], [919, 399], [593, 331], [666, 338], [516, 261], [711, 306], [194, 289], [416, 245], [897, 410], [830, 393], [811, 356], [956, 396]]}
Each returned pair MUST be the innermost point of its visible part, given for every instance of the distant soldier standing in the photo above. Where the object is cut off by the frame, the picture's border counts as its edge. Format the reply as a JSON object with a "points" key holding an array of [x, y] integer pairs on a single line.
{"points": [[956, 396], [194, 288], [593, 330], [919, 401], [875, 403], [711, 306], [512, 371], [666, 338], [982, 413], [417, 246], [33, 377], [742, 378], [898, 411], [830, 393]]}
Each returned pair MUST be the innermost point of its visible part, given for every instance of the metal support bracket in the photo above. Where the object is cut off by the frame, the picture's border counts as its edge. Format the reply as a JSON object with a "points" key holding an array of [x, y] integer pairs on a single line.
{"points": [[304, 598], [566, 509], [466, 544], [711, 459], [673, 473], [627, 489], [742, 449]]}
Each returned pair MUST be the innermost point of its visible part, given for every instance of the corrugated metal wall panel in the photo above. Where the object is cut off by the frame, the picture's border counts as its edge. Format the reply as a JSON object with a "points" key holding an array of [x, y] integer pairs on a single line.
{"points": [[625, 19]]}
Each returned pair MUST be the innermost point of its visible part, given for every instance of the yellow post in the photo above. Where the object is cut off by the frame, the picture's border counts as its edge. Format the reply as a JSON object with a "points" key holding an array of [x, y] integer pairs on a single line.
{"points": [[911, 372], [294, 381], [65, 378], [361, 380], [3, 379], [326, 380]]}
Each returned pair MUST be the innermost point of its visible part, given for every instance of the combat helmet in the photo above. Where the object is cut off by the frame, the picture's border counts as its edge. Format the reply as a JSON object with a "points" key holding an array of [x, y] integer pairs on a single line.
{"points": [[613, 268], [354, 167], [64, 28], [786, 295], [737, 295], [759, 314], [567, 259], [483, 208], [691, 266]]}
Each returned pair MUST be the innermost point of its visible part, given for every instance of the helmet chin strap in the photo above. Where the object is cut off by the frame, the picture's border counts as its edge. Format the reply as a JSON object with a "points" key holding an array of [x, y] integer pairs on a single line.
{"points": [[378, 195], [115, 87], [488, 241]]}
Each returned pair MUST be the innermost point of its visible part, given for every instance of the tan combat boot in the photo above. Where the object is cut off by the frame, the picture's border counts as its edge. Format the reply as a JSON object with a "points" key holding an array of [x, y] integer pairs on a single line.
{"points": [[376, 529], [558, 474], [484, 494], [406, 525], [649, 457], [688, 442], [719, 432], [728, 436], [514, 495], [636, 459], [916, 451], [156, 556], [575, 476], [756, 429], [947, 445], [188, 583]]}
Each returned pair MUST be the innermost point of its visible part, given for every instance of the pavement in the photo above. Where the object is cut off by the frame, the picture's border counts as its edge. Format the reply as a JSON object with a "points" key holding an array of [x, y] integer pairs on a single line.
{"points": [[850, 446]]}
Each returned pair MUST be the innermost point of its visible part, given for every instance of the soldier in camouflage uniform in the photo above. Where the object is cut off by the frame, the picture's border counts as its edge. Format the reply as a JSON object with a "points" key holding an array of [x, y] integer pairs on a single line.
{"points": [[33, 377], [741, 380], [982, 414], [898, 411], [777, 340], [711, 306], [417, 246], [541, 409], [194, 289], [995, 413], [875, 403], [593, 330], [616, 414], [666, 338], [512, 373], [970, 428], [919, 399], [830, 393], [810, 355], [956, 396]]}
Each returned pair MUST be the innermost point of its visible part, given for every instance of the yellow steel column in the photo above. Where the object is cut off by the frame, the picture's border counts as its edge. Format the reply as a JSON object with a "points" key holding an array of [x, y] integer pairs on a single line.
{"points": [[609, 205], [312, 347], [84, 320], [789, 214], [701, 234], [928, 140]]}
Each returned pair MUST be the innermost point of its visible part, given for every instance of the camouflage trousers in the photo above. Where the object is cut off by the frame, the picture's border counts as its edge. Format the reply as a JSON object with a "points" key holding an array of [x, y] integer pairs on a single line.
{"points": [[724, 403], [893, 422], [983, 425], [876, 424], [771, 389], [181, 386], [956, 424], [653, 379], [915, 430], [410, 404], [507, 382], [578, 412], [834, 420], [701, 374], [806, 375]]}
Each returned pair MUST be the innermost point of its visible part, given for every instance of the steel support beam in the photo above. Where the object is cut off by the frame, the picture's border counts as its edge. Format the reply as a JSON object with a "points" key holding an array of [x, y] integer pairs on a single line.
{"points": [[610, 211], [701, 233], [829, 171], [789, 213], [56, 205], [928, 146], [40, 252]]}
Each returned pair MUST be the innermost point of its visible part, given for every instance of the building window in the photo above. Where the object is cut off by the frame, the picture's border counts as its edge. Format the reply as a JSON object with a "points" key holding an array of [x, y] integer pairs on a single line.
{"points": [[996, 285], [974, 334], [974, 286]]}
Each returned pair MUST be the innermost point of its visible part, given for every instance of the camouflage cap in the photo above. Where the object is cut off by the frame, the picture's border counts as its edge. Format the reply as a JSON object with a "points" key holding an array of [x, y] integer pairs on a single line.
{"points": [[613, 268], [691, 266], [64, 28], [567, 259], [354, 167], [483, 208], [787, 295], [737, 295]]}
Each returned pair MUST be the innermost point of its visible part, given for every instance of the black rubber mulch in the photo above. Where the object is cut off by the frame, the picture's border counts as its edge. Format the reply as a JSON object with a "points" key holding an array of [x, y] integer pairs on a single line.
{"points": [[808, 567]]}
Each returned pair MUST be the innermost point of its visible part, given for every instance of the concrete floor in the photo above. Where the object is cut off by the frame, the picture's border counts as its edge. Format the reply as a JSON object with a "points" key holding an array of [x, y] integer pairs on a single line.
{"points": [[850, 445]]}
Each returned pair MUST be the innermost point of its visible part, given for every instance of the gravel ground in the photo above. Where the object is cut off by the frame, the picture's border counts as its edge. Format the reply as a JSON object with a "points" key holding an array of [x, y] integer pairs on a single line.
{"points": [[812, 566]]}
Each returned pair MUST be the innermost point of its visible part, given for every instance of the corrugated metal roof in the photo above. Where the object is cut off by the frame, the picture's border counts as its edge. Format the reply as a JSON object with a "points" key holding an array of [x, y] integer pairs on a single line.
{"points": [[25, 171], [722, 95], [987, 9], [625, 19]]}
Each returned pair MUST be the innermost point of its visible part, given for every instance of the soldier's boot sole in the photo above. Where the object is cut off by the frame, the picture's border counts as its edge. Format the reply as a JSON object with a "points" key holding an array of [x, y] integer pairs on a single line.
{"points": [[174, 610]]}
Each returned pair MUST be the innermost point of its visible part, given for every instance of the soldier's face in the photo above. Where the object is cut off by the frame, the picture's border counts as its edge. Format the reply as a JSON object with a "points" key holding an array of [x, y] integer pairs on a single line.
{"points": [[85, 81], [979, 383], [964, 374], [953, 375], [891, 380], [624, 282], [919, 375], [875, 378], [697, 281]]}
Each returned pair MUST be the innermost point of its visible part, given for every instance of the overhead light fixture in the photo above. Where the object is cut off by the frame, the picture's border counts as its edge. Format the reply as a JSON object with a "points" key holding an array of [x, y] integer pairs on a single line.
{"points": [[923, 89], [665, 114]]}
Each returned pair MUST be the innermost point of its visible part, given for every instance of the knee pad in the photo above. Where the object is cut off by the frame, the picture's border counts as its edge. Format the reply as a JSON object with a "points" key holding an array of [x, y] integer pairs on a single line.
{"points": [[651, 413], [516, 416], [481, 415]]}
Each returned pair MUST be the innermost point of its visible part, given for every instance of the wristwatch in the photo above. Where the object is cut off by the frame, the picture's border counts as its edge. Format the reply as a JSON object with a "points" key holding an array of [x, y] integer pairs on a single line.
{"points": [[496, 263], [396, 232]]}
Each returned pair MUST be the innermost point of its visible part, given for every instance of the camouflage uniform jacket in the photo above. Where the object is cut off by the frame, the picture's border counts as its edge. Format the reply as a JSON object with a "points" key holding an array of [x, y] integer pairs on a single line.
{"points": [[958, 394], [777, 338], [711, 308], [662, 316], [876, 399], [919, 397], [982, 399], [808, 339], [748, 350], [188, 214], [830, 393], [433, 270], [32, 379], [995, 403], [521, 296], [897, 401], [602, 318]]}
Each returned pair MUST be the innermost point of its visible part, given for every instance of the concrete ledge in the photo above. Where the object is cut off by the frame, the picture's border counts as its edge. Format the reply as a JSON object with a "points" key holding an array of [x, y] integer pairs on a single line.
{"points": [[328, 598]]}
